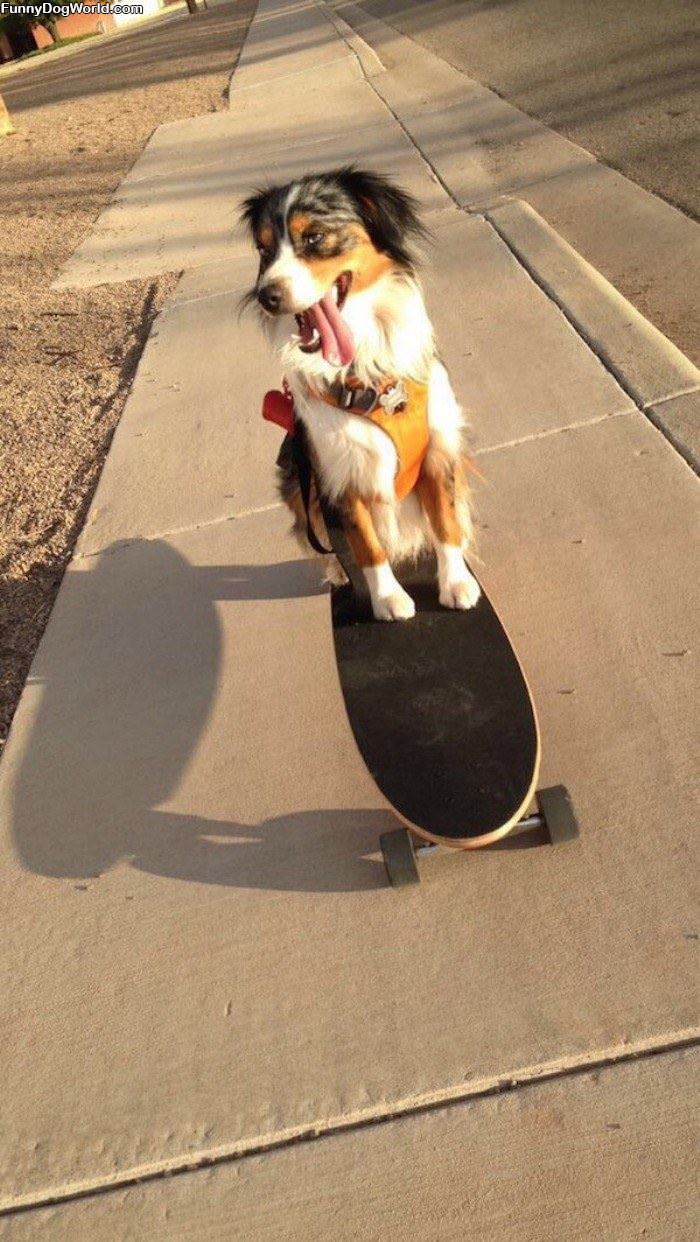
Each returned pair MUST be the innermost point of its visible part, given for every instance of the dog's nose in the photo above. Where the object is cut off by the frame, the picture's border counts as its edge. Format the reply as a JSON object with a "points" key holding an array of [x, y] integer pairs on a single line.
{"points": [[270, 296]]}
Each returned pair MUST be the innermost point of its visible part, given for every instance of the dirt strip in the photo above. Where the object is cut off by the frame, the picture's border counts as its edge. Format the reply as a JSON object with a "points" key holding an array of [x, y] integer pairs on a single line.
{"points": [[67, 358]]}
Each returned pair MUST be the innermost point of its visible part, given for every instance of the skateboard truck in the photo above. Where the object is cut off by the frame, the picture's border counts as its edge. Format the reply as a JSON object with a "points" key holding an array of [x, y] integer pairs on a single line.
{"points": [[555, 814]]}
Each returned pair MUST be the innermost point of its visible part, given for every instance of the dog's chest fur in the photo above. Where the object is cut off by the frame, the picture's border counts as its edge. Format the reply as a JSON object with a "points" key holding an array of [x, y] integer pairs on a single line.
{"points": [[352, 453], [394, 338]]}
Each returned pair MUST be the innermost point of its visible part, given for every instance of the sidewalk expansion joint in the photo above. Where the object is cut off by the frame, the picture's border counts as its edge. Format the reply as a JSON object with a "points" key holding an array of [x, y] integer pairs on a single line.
{"points": [[523, 1079], [298, 73], [551, 431], [682, 392], [120, 545], [175, 303]]}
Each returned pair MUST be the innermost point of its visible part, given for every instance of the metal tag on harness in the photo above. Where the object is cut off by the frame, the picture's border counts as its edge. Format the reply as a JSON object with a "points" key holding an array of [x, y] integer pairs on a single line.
{"points": [[395, 398]]}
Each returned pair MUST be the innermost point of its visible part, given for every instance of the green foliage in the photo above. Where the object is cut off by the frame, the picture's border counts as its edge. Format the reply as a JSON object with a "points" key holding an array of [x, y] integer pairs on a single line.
{"points": [[23, 21]]}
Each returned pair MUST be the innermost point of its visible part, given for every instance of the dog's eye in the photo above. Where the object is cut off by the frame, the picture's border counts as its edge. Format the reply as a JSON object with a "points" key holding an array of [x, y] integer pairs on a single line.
{"points": [[313, 240]]}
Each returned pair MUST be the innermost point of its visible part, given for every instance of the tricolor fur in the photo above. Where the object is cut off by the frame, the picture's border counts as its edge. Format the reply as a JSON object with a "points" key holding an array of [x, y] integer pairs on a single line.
{"points": [[338, 251]]}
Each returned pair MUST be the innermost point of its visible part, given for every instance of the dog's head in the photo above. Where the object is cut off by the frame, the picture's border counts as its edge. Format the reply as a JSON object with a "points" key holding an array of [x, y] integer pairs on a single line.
{"points": [[323, 239]]}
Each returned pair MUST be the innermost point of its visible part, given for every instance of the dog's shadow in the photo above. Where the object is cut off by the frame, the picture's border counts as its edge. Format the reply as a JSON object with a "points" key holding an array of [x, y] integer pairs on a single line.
{"points": [[296, 579], [119, 696], [306, 851]]}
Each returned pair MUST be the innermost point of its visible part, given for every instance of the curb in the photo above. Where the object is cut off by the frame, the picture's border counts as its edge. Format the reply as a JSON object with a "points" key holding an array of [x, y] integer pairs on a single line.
{"points": [[662, 382], [367, 56]]}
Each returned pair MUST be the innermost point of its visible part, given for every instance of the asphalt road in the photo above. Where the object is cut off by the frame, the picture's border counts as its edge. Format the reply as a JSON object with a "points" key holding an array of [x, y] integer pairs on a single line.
{"points": [[619, 77], [160, 52]]}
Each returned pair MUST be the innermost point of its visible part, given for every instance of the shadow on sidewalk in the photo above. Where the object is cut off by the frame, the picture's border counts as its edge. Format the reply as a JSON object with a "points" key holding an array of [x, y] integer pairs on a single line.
{"points": [[128, 677], [129, 672]]}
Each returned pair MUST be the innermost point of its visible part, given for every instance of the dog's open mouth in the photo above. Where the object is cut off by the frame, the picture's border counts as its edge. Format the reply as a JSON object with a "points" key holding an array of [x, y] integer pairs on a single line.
{"points": [[323, 327]]}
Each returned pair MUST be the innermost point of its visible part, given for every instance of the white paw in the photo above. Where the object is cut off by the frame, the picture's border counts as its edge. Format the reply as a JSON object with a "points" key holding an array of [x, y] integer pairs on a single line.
{"points": [[463, 593], [389, 600], [395, 607]]}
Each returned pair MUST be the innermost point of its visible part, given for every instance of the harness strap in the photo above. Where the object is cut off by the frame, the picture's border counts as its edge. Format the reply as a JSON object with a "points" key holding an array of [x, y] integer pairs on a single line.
{"points": [[400, 409]]}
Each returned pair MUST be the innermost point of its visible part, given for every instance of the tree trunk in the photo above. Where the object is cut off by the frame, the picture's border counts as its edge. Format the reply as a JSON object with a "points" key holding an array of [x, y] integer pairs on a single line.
{"points": [[52, 28], [192, 6], [6, 126]]}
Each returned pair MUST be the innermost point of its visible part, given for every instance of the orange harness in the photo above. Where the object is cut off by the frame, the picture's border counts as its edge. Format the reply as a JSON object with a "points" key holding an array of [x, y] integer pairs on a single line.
{"points": [[405, 422]]}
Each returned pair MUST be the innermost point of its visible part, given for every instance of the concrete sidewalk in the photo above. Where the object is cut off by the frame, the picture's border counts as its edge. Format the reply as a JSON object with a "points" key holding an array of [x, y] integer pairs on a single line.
{"points": [[202, 957]]}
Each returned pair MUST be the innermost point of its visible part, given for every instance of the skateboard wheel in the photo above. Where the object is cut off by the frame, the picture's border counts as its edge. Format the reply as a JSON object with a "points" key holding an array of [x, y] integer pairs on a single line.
{"points": [[558, 814], [399, 858]]}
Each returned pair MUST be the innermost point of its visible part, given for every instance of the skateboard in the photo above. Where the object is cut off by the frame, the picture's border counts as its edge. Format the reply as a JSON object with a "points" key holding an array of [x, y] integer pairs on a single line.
{"points": [[439, 705], [445, 722]]}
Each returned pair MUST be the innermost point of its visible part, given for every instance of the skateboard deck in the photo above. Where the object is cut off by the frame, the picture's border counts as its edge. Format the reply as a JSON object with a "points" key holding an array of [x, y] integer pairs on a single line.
{"points": [[441, 712]]}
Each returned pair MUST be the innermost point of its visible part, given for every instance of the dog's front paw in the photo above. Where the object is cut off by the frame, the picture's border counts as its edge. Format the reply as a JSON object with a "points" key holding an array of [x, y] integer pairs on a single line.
{"points": [[395, 607], [463, 592], [389, 600]]}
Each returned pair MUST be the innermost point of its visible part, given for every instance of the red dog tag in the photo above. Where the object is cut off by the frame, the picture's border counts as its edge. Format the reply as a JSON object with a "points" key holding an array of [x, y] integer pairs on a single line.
{"points": [[278, 407]]}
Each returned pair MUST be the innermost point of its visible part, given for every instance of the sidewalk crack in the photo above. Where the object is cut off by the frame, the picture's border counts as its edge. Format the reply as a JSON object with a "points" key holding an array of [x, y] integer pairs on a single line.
{"points": [[119, 545], [523, 1079]]}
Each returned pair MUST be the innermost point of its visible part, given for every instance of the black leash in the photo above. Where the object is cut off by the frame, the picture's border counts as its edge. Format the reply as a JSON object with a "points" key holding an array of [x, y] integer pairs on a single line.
{"points": [[302, 463], [358, 591]]}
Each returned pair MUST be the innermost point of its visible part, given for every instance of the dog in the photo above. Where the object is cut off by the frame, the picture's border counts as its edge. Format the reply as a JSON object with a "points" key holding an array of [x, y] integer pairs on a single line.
{"points": [[339, 253]]}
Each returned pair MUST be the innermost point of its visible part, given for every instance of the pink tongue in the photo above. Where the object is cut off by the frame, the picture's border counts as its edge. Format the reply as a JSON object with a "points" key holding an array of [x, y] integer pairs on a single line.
{"points": [[337, 341]]}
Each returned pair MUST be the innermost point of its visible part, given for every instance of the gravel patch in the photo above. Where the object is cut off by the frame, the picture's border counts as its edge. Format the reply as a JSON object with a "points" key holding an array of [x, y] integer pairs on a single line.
{"points": [[67, 358]]}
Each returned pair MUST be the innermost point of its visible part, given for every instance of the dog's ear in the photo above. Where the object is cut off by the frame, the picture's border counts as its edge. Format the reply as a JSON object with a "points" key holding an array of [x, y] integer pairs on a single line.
{"points": [[388, 213], [251, 213], [252, 210]]}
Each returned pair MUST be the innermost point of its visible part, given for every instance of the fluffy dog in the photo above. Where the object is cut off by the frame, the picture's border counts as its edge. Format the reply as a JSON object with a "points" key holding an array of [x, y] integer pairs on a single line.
{"points": [[338, 253]]}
